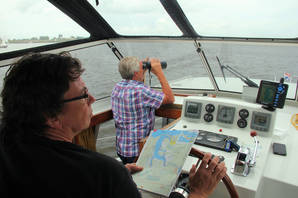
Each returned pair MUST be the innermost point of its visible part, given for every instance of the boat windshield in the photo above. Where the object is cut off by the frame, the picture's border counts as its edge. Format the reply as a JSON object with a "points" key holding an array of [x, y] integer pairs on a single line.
{"points": [[33, 23], [257, 38], [229, 18], [255, 61], [245, 18], [226, 18], [137, 17]]}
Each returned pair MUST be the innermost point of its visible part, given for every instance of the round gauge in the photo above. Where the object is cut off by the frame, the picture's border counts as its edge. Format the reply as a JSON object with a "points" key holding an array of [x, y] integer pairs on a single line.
{"points": [[242, 123], [209, 108], [225, 114], [208, 117], [243, 113]]}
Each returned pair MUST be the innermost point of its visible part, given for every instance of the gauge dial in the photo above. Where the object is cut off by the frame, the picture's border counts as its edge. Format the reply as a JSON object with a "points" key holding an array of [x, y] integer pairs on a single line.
{"points": [[243, 113], [209, 108], [193, 110], [242, 123], [208, 117], [225, 114]]}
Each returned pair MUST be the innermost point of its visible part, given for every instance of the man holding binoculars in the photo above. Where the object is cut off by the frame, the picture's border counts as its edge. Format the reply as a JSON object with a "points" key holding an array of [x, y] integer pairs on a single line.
{"points": [[134, 104]]}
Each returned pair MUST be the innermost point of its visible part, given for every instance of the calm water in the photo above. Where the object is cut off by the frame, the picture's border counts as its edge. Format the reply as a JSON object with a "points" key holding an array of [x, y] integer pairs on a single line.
{"points": [[253, 60]]}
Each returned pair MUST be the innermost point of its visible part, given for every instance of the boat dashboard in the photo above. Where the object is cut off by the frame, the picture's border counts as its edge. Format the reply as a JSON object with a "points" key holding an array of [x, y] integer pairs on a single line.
{"points": [[233, 128]]}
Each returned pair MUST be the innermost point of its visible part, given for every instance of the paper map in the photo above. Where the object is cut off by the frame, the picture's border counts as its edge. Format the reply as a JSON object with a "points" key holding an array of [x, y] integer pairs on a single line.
{"points": [[163, 157]]}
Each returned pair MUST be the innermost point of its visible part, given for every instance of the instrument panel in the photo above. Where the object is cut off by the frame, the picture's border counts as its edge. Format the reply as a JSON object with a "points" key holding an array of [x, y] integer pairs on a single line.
{"points": [[228, 113]]}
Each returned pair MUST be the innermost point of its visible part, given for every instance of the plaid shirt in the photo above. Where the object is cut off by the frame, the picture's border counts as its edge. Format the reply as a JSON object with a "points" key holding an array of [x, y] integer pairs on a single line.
{"points": [[133, 106]]}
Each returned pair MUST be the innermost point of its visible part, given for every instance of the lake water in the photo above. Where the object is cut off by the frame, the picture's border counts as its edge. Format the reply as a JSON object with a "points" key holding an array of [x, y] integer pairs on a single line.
{"points": [[261, 61], [253, 60]]}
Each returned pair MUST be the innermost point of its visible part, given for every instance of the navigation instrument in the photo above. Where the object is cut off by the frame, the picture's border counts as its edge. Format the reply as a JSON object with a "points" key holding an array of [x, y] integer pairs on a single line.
{"points": [[272, 95], [260, 121], [193, 109], [225, 114]]}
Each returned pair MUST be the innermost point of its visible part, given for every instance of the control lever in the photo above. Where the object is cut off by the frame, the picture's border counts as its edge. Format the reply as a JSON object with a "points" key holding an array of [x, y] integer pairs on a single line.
{"points": [[244, 160], [253, 160]]}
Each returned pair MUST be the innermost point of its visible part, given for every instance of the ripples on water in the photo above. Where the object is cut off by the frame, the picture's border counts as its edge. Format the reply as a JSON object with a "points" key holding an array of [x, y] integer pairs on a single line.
{"points": [[261, 61]]}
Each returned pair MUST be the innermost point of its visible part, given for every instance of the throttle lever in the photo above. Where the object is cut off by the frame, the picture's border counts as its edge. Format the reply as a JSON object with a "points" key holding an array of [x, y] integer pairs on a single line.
{"points": [[253, 159], [244, 160]]}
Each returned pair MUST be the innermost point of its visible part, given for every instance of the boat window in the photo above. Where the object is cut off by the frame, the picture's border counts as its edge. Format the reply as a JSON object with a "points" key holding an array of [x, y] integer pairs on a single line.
{"points": [[184, 66], [32, 23], [245, 18], [3, 70], [137, 17], [101, 69], [256, 61]]}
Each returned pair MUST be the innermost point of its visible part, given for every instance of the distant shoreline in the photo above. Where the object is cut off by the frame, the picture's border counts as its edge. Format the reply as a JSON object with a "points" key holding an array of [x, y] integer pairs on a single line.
{"points": [[36, 41]]}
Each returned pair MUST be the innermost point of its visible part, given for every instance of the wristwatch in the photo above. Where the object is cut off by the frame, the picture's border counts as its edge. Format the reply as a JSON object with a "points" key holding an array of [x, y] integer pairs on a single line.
{"points": [[180, 192]]}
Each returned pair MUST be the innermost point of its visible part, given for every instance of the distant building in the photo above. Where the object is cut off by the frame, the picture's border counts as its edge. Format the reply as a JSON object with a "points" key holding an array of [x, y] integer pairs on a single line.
{"points": [[44, 38]]}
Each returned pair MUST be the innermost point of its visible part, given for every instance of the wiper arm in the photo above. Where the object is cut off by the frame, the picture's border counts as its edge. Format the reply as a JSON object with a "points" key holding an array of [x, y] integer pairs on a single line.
{"points": [[221, 68], [244, 79]]}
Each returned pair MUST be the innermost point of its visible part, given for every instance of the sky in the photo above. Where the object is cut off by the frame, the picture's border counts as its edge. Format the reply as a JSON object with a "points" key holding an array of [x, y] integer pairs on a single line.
{"points": [[248, 18]]}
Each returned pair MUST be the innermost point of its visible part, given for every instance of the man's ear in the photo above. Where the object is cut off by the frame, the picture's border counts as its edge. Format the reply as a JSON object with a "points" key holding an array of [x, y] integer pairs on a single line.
{"points": [[53, 122]]}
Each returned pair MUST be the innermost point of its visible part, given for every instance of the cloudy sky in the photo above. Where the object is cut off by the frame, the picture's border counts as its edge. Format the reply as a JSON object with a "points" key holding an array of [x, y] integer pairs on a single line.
{"points": [[248, 18]]}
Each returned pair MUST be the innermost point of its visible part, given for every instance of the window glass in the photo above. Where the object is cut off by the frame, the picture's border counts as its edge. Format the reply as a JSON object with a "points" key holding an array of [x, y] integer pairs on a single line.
{"points": [[137, 17], [256, 61], [32, 23], [245, 18], [184, 65], [101, 69], [3, 70]]}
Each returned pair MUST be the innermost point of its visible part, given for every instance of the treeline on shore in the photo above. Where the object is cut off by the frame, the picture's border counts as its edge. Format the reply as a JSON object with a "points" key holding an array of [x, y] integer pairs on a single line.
{"points": [[44, 39]]}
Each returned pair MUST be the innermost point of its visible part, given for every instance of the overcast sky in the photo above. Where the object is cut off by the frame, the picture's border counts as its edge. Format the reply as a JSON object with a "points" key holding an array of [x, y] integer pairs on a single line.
{"points": [[261, 18]]}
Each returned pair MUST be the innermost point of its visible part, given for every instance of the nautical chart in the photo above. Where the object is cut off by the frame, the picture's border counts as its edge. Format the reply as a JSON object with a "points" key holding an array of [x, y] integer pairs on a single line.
{"points": [[163, 157]]}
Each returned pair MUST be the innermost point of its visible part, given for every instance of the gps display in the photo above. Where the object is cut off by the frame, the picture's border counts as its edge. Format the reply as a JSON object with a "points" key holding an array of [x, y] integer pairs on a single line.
{"points": [[272, 94]]}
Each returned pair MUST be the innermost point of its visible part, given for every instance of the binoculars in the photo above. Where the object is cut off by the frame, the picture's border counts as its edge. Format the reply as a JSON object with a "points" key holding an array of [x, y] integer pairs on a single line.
{"points": [[147, 65]]}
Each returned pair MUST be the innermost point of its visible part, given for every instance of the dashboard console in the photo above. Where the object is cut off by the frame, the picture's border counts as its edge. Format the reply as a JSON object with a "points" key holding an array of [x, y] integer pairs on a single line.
{"points": [[228, 113]]}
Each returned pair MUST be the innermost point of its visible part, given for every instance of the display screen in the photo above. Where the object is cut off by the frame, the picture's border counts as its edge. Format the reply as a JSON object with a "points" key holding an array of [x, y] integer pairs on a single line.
{"points": [[272, 94], [225, 114], [193, 109], [260, 121], [267, 94]]}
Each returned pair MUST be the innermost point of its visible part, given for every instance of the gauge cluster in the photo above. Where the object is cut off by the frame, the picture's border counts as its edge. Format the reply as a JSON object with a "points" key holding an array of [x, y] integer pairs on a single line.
{"points": [[229, 113]]}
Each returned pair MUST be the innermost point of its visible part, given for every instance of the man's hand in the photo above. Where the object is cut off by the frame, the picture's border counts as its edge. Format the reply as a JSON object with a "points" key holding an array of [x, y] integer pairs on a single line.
{"points": [[133, 168], [166, 89], [156, 66], [203, 181]]}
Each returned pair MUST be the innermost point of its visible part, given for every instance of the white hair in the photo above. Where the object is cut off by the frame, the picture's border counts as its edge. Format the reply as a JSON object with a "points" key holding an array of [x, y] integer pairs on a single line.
{"points": [[128, 66]]}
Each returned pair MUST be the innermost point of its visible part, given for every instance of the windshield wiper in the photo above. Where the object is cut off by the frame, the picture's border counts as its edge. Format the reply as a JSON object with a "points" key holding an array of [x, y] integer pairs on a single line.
{"points": [[236, 73]]}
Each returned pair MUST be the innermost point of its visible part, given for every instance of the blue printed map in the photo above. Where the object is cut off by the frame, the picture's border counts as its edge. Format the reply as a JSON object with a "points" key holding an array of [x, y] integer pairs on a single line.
{"points": [[163, 157]]}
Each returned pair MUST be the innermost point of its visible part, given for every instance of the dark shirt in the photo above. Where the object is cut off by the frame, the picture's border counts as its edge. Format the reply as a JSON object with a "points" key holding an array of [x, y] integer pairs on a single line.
{"points": [[40, 167]]}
